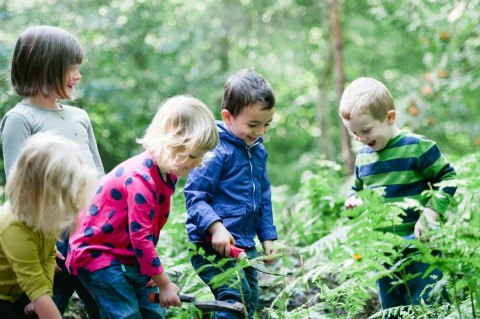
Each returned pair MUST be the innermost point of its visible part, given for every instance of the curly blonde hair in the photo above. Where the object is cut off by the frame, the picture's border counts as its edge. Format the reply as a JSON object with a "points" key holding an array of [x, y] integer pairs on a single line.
{"points": [[50, 183], [182, 125]]}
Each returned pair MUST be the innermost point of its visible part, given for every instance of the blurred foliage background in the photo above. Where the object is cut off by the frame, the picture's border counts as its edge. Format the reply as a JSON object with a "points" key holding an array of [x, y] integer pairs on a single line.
{"points": [[139, 52]]}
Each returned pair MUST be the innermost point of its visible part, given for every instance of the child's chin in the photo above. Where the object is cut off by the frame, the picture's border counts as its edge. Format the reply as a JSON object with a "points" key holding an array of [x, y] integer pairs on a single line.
{"points": [[249, 141], [182, 172]]}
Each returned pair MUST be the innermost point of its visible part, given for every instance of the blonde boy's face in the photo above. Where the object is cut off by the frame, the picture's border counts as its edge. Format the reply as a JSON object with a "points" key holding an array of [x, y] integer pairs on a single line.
{"points": [[250, 124], [370, 131]]}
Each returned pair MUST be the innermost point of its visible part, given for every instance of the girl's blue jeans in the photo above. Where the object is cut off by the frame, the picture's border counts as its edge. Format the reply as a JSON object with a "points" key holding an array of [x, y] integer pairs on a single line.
{"points": [[243, 289], [121, 292]]}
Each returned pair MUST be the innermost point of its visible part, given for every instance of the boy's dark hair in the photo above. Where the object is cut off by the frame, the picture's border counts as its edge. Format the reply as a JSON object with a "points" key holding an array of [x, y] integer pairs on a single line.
{"points": [[41, 60], [245, 88]]}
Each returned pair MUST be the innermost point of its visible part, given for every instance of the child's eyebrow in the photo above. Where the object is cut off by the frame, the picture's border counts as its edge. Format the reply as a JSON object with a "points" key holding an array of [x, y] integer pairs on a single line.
{"points": [[259, 122]]}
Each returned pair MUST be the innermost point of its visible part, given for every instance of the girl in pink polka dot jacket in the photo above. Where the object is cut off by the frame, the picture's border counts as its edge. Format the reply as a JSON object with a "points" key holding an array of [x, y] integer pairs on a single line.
{"points": [[113, 250]]}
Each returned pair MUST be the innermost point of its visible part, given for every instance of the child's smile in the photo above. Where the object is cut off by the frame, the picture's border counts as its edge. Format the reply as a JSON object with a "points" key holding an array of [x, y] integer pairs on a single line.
{"points": [[372, 132], [252, 122], [73, 76]]}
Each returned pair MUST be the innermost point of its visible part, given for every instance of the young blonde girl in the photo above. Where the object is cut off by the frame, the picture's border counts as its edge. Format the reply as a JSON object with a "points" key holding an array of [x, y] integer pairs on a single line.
{"points": [[46, 188], [45, 68], [113, 251]]}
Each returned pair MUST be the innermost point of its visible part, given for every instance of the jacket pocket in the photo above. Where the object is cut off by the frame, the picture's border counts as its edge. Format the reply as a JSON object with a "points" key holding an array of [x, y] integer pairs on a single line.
{"points": [[226, 211]]}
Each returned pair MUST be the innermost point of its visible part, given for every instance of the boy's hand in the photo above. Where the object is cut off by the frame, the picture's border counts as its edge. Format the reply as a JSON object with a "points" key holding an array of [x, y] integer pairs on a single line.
{"points": [[427, 220], [269, 250], [221, 239], [353, 201]]}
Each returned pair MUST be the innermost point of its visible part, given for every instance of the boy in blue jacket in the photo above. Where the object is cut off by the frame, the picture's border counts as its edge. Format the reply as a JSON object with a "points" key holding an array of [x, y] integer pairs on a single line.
{"points": [[229, 198]]}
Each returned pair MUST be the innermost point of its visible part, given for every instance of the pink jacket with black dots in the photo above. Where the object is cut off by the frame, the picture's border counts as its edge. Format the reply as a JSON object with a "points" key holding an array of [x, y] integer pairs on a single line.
{"points": [[123, 222]]}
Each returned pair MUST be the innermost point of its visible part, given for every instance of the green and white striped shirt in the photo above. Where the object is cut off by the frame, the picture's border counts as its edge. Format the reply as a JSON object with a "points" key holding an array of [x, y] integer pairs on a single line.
{"points": [[408, 165]]}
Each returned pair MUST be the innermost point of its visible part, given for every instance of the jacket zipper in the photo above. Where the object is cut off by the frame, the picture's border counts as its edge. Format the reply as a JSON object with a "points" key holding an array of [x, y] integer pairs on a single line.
{"points": [[251, 175]]}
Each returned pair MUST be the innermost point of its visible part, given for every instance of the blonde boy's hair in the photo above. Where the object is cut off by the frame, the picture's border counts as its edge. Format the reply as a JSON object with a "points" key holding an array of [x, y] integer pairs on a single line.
{"points": [[49, 184], [182, 125], [366, 96]]}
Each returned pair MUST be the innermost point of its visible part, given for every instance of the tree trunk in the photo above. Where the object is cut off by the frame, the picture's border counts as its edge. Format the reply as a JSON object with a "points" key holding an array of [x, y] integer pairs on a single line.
{"points": [[347, 153], [322, 112]]}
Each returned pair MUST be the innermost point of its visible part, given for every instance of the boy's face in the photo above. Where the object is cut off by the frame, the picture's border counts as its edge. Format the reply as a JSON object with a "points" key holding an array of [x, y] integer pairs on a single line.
{"points": [[251, 123], [370, 131]]}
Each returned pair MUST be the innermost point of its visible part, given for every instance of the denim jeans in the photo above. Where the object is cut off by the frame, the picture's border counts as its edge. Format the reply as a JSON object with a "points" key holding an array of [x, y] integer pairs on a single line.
{"points": [[121, 292], [394, 295], [247, 294], [64, 285]]}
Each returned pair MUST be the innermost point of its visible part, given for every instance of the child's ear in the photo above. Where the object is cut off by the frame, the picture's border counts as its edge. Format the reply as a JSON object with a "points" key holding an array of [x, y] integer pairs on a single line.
{"points": [[226, 117], [391, 116]]}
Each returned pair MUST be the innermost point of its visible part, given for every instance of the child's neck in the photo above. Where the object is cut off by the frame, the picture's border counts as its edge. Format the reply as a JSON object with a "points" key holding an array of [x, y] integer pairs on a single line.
{"points": [[39, 100], [395, 131]]}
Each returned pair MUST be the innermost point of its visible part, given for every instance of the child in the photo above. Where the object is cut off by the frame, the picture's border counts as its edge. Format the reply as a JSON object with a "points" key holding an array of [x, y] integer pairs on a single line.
{"points": [[46, 67], [404, 164], [46, 187], [228, 199], [113, 251]]}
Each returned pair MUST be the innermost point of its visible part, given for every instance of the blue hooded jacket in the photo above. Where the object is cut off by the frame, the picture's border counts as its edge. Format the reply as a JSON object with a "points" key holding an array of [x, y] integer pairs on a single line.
{"points": [[231, 187]]}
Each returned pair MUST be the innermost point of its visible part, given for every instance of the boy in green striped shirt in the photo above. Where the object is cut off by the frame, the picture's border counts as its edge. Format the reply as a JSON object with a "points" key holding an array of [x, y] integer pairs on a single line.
{"points": [[403, 164]]}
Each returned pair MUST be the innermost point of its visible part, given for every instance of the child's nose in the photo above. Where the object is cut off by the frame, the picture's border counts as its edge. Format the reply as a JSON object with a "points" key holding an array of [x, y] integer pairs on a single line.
{"points": [[359, 138], [77, 76]]}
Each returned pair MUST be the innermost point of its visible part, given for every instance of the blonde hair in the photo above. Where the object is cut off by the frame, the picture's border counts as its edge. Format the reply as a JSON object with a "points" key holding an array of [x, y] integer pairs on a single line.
{"points": [[183, 124], [49, 184], [366, 96]]}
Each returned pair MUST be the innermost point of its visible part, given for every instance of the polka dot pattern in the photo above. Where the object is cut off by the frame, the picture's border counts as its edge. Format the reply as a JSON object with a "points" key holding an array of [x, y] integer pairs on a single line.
{"points": [[123, 221], [161, 199], [120, 172], [156, 262], [88, 231], [135, 226], [93, 210], [95, 253], [116, 194], [140, 199], [107, 228], [148, 162]]}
